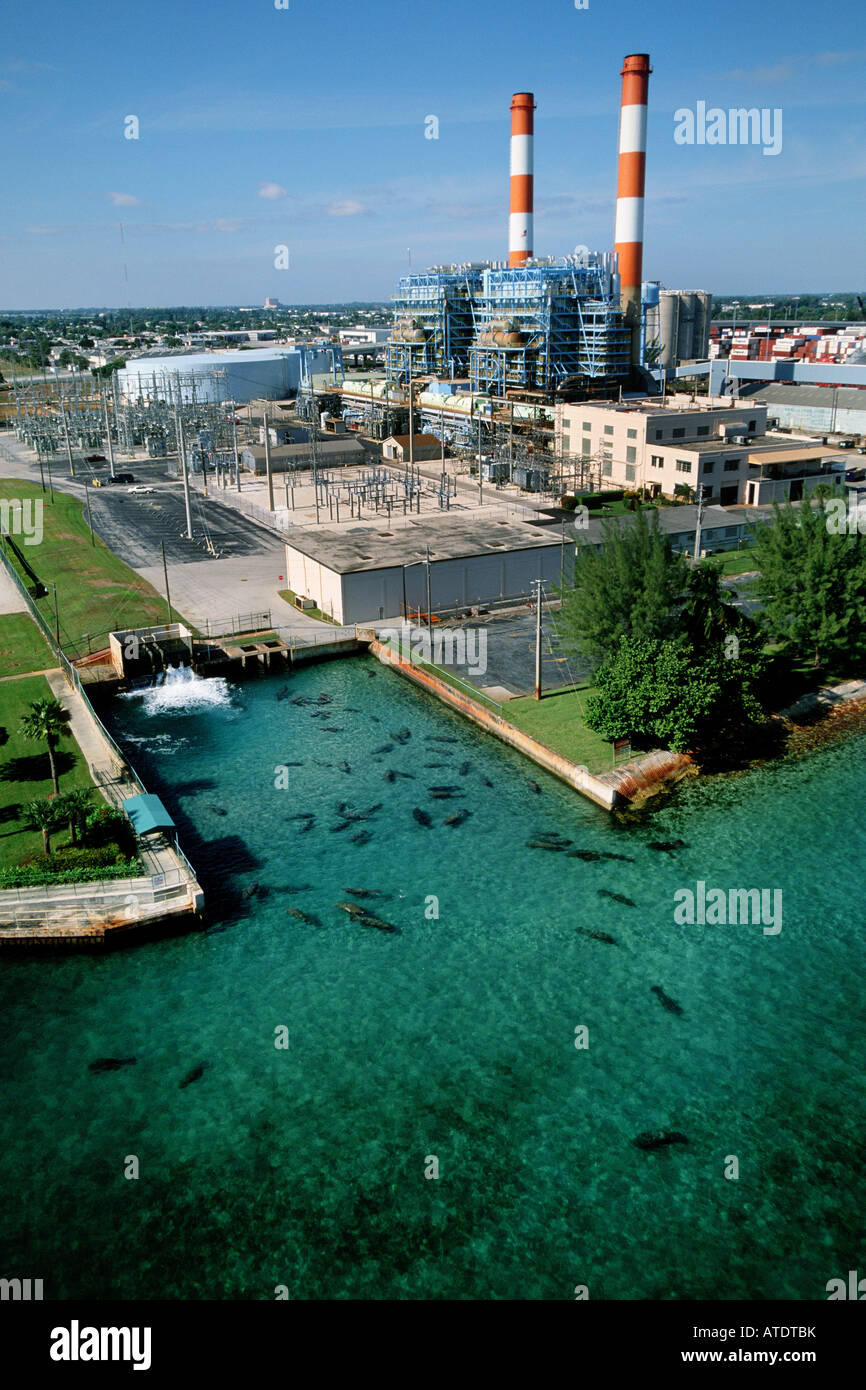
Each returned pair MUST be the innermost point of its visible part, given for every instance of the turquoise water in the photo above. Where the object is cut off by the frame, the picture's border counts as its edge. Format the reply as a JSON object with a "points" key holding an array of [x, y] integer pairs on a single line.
{"points": [[454, 1038]]}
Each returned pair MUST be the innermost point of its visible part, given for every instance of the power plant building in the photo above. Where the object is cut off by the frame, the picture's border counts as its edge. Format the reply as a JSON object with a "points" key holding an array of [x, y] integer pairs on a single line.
{"points": [[266, 373]]}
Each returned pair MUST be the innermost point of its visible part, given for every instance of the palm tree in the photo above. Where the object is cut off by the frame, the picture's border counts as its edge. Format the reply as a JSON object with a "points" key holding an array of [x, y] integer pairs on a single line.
{"points": [[73, 809], [43, 815], [48, 720]]}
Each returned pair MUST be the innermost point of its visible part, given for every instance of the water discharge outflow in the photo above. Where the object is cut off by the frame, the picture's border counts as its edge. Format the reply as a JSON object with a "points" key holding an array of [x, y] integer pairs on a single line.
{"points": [[181, 692]]}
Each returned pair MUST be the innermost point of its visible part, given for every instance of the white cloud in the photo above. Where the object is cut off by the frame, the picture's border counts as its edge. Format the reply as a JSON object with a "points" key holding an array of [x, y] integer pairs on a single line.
{"points": [[348, 207], [125, 200], [272, 190]]}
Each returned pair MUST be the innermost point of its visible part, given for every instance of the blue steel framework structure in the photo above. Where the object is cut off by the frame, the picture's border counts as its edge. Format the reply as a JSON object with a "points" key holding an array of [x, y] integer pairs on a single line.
{"points": [[434, 323], [543, 324]]}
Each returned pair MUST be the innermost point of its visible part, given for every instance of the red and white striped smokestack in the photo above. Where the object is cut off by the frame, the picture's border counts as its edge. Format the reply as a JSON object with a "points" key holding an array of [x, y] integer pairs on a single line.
{"points": [[520, 219], [628, 235]]}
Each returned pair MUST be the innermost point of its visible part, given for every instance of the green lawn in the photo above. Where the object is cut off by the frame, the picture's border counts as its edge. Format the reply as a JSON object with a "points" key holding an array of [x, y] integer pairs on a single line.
{"points": [[557, 722], [96, 591], [735, 562], [288, 596], [24, 770], [22, 646]]}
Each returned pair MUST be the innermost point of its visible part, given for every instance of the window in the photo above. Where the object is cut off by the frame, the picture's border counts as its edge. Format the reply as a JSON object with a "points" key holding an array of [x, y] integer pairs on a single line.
{"points": [[629, 473], [608, 429], [678, 433], [710, 465], [731, 465], [751, 424], [684, 466], [731, 531], [632, 434], [631, 453], [703, 429], [658, 434], [607, 468], [586, 446], [657, 461], [587, 424]]}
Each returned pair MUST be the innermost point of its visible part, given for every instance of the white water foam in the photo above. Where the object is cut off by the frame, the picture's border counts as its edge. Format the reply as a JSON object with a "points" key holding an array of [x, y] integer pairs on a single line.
{"points": [[182, 692]]}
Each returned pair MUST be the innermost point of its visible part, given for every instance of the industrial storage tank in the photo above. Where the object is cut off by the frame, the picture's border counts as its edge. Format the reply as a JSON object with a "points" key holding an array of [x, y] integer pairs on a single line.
{"points": [[686, 333], [261, 373], [669, 322], [701, 332]]}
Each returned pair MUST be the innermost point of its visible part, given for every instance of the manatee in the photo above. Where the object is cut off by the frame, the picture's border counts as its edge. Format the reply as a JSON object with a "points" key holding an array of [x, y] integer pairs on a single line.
{"points": [[546, 844], [297, 888], [421, 816], [367, 893], [363, 837], [302, 815], [352, 908], [487, 782], [598, 935], [465, 769], [383, 748], [194, 1074], [324, 699], [111, 1063], [371, 810], [308, 825], [616, 897], [344, 767], [251, 891], [402, 735], [333, 729], [350, 709], [457, 818], [665, 1000], [320, 763], [309, 917], [300, 700], [410, 776], [533, 786], [368, 920], [587, 855], [666, 845], [218, 810], [659, 1138], [390, 776], [293, 764], [282, 692], [435, 764], [344, 825]]}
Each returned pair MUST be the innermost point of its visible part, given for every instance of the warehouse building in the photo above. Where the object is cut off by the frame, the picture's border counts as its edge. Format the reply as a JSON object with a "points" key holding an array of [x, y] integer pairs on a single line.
{"points": [[271, 373], [285, 458], [366, 573], [818, 409]]}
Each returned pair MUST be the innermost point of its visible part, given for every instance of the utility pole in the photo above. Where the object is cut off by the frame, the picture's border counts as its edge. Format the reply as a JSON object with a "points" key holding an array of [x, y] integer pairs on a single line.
{"points": [[538, 643], [68, 445], [480, 479], [107, 427], [700, 516], [182, 446], [268, 463], [165, 572], [237, 455], [429, 601]]}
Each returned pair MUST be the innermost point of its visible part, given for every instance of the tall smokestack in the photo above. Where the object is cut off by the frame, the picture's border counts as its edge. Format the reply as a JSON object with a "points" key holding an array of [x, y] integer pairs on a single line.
{"points": [[520, 219], [628, 235]]}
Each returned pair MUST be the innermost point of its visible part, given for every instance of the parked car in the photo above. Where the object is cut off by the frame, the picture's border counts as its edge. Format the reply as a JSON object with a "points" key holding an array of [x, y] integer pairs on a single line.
{"points": [[141, 491], [120, 478], [94, 458]]}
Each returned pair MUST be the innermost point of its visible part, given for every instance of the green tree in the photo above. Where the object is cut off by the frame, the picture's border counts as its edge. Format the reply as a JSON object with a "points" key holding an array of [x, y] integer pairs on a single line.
{"points": [[665, 692], [632, 587], [73, 808], [707, 616], [47, 720], [812, 582], [43, 815]]}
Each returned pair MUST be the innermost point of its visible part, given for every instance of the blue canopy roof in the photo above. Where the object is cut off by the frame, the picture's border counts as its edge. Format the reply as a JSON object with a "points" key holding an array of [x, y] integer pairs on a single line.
{"points": [[147, 813]]}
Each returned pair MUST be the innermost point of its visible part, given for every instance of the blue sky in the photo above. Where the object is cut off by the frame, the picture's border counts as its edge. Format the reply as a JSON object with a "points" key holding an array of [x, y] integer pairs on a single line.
{"points": [[305, 127]]}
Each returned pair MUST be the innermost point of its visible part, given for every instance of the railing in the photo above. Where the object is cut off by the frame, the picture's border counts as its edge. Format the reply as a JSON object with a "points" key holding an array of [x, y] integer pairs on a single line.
{"points": [[294, 637], [404, 651], [243, 622]]}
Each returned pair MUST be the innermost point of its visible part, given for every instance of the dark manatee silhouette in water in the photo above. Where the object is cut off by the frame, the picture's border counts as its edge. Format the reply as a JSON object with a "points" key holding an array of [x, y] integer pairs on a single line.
{"points": [[665, 1000], [111, 1063], [194, 1074], [658, 1138]]}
